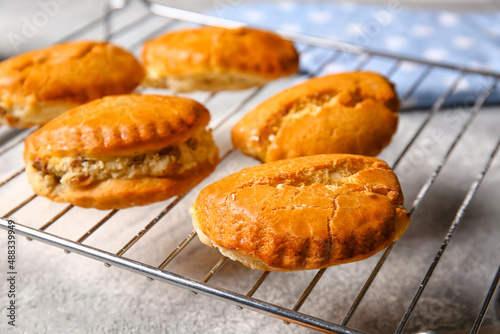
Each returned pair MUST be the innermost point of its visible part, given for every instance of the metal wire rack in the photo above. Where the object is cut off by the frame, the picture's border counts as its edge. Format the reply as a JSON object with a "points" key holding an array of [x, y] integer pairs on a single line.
{"points": [[153, 19]]}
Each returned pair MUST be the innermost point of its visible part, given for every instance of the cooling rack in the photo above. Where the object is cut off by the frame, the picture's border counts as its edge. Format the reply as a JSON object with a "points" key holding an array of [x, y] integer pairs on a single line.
{"points": [[152, 19]]}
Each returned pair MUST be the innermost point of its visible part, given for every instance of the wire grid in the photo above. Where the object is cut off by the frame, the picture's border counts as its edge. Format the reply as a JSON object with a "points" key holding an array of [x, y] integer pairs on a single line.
{"points": [[113, 30]]}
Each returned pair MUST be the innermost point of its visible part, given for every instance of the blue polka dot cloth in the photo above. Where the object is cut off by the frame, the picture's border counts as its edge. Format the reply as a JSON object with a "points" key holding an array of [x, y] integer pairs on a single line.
{"points": [[465, 39]]}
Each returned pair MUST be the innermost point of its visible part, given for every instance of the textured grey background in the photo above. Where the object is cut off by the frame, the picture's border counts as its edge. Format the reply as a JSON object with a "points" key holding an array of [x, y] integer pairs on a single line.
{"points": [[61, 293]]}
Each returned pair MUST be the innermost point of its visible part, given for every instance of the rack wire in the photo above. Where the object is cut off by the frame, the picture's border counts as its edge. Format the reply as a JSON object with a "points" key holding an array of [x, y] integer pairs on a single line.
{"points": [[159, 19]]}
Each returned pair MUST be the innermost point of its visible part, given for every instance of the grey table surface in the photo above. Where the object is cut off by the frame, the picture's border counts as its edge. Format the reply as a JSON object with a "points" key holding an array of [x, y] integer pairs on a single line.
{"points": [[61, 293]]}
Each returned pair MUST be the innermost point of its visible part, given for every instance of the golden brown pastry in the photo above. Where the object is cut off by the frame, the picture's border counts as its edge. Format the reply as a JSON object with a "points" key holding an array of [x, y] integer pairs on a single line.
{"points": [[353, 113], [37, 86], [121, 151], [304, 213], [214, 59]]}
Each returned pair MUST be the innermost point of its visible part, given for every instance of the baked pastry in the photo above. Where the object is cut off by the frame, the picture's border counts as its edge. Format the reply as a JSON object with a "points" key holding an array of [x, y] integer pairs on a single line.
{"points": [[303, 213], [352, 113], [37, 86], [214, 59], [121, 151]]}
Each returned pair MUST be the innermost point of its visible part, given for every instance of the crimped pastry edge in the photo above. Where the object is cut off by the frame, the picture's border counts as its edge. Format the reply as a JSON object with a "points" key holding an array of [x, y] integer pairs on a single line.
{"points": [[80, 131]]}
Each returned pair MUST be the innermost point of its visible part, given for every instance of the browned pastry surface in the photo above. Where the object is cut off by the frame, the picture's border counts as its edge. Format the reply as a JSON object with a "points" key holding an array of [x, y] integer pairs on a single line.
{"points": [[212, 58], [39, 85], [120, 125], [352, 113], [121, 151], [304, 213]]}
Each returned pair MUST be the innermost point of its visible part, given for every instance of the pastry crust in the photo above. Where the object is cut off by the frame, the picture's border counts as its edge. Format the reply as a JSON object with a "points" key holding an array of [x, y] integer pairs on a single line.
{"points": [[121, 193], [119, 125], [122, 151], [353, 113], [304, 213], [39, 85], [213, 59]]}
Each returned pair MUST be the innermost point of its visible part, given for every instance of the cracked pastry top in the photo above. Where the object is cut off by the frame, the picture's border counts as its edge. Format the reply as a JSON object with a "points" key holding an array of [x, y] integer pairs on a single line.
{"points": [[39, 85], [303, 213], [355, 113], [214, 59], [122, 151]]}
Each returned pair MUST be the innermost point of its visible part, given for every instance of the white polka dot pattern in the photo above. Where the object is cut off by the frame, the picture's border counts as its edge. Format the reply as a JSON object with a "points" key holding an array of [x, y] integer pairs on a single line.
{"points": [[463, 39]]}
